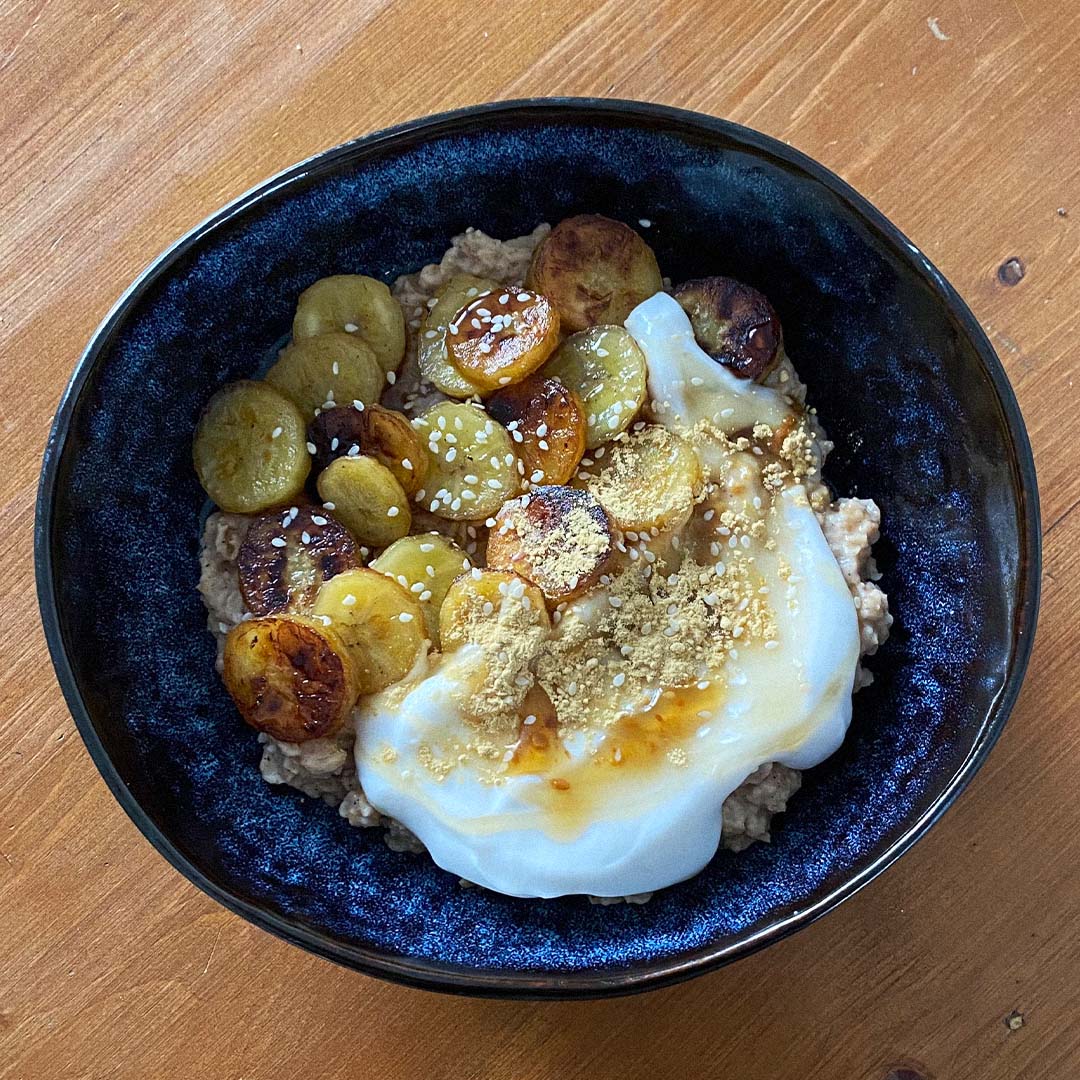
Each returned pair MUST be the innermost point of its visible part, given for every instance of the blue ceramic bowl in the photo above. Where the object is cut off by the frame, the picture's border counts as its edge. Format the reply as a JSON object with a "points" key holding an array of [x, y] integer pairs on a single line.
{"points": [[903, 377]]}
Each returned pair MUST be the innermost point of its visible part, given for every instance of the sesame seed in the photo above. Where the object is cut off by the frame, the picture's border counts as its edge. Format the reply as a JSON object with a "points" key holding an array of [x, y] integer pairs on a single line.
{"points": [[275, 433], [536, 476], [425, 548], [358, 405], [425, 596], [406, 464], [435, 504], [543, 444], [351, 328], [329, 506], [333, 443], [517, 436], [335, 367], [495, 485], [416, 586], [488, 607], [615, 601], [305, 537], [278, 541], [311, 448], [317, 520], [354, 450], [618, 680], [391, 377], [542, 430], [476, 574], [451, 454], [348, 600], [405, 616], [523, 297], [456, 504]]}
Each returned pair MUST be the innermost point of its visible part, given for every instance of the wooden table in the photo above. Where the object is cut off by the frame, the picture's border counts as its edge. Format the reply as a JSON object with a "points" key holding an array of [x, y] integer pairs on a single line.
{"points": [[125, 123]]}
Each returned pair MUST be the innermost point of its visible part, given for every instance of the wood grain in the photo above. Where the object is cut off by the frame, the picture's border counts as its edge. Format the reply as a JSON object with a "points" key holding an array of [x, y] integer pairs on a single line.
{"points": [[125, 123]]}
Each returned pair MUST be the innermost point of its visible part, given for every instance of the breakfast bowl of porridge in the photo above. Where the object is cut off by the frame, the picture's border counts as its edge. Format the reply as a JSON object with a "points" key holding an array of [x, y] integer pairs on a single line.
{"points": [[550, 549]]}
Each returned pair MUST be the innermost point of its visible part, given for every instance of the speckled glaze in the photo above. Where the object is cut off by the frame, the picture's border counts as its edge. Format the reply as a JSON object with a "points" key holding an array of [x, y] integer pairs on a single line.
{"points": [[904, 381]]}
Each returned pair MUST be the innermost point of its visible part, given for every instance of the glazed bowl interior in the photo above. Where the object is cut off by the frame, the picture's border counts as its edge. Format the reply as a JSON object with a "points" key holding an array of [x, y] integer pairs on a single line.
{"points": [[904, 382]]}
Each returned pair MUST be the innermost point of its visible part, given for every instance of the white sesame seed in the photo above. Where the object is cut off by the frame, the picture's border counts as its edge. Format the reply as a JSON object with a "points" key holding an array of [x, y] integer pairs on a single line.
{"points": [[333, 443], [405, 616], [354, 450], [278, 541], [305, 537], [618, 680], [348, 600], [542, 430], [311, 448], [615, 601], [488, 607], [391, 377], [495, 485], [435, 504], [517, 436], [275, 433], [393, 511], [425, 596], [316, 519], [358, 405], [351, 328], [329, 506], [406, 464], [451, 454], [425, 548], [523, 297]]}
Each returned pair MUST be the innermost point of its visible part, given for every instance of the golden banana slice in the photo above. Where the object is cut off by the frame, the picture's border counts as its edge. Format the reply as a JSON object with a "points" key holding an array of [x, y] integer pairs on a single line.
{"points": [[551, 421], [290, 676], [605, 367], [381, 625], [287, 555], [502, 336], [480, 598], [367, 499], [734, 323], [249, 449], [353, 304], [473, 468], [559, 538], [426, 565], [431, 354], [651, 481], [594, 270], [333, 369]]}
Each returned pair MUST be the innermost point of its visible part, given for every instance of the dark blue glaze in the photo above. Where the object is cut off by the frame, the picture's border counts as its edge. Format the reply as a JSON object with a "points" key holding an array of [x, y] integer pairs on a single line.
{"points": [[904, 382]]}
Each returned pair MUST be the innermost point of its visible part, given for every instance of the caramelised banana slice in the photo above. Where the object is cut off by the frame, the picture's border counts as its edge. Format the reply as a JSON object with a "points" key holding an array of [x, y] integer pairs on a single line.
{"points": [[594, 270], [383, 434], [287, 555], [734, 323], [651, 481], [353, 304], [426, 565], [557, 537], [479, 598], [473, 468], [551, 421], [502, 336], [290, 676], [367, 498], [380, 623], [249, 448], [431, 355], [605, 367], [321, 372]]}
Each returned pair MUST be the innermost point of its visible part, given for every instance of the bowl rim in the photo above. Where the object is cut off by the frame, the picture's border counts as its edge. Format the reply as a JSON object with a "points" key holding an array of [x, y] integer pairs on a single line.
{"points": [[450, 978]]}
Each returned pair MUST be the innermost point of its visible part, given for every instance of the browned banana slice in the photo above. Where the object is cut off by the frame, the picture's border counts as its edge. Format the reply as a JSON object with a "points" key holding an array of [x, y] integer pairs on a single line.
{"points": [[290, 676], [594, 270], [559, 538], [435, 366], [321, 372], [551, 421], [734, 324], [383, 434], [380, 623], [367, 498], [286, 556], [249, 448], [336, 433], [501, 337], [353, 304], [651, 481], [482, 597]]}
